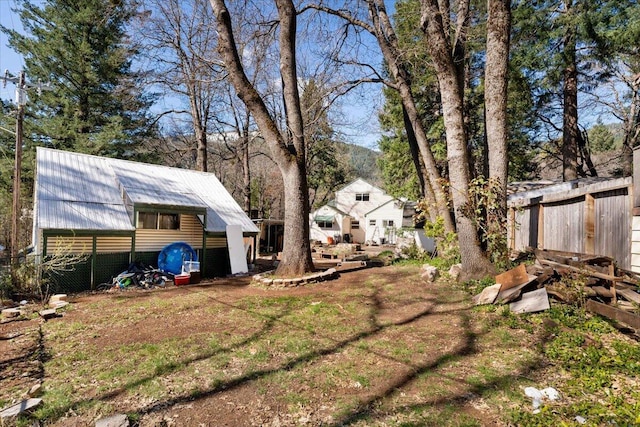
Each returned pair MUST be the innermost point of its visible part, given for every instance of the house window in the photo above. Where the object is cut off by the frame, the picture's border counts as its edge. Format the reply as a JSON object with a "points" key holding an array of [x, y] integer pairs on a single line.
{"points": [[372, 222], [324, 224], [387, 223], [355, 225], [362, 197], [158, 221]]}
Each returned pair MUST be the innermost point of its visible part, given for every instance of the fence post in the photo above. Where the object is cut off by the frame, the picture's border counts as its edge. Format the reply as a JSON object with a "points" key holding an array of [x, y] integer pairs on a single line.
{"points": [[589, 224], [540, 239]]}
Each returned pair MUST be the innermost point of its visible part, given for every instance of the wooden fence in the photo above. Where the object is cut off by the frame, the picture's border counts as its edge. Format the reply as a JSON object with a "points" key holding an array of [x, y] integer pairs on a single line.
{"points": [[578, 216]]}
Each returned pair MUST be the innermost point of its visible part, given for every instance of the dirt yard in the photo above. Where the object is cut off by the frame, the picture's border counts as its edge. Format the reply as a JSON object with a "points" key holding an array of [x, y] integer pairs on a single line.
{"points": [[378, 346]]}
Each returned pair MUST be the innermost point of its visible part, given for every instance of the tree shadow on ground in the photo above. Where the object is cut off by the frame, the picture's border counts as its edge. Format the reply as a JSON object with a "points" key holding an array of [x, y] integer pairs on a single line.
{"points": [[366, 409]]}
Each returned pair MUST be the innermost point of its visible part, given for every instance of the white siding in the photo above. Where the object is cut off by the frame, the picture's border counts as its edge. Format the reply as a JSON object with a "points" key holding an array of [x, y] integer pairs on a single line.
{"points": [[322, 234], [382, 215], [635, 244], [347, 203]]}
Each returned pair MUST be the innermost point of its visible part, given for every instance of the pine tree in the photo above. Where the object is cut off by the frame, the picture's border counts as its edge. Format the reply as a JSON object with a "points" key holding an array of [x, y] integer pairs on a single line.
{"points": [[81, 48]]}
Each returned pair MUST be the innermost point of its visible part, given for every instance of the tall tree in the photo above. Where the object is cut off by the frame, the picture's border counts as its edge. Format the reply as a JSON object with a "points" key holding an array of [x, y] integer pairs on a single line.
{"points": [[567, 49], [327, 166], [495, 101], [447, 55], [180, 43], [287, 147], [380, 27], [95, 104]]}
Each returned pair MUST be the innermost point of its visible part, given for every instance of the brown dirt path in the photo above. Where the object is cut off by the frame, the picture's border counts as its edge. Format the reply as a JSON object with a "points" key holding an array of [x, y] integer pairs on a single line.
{"points": [[386, 348]]}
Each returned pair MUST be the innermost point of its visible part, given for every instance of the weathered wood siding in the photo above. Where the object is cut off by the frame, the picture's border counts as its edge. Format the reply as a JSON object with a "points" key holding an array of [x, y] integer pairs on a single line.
{"points": [[592, 219], [523, 226], [563, 225], [613, 225]]}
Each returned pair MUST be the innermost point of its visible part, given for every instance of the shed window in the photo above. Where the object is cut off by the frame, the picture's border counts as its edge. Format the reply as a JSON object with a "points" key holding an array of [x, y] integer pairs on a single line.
{"points": [[372, 222], [362, 197], [169, 222], [158, 221], [387, 223]]}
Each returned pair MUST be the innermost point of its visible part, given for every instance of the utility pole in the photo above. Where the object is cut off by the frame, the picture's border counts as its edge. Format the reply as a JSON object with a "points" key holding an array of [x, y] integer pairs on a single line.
{"points": [[21, 101]]}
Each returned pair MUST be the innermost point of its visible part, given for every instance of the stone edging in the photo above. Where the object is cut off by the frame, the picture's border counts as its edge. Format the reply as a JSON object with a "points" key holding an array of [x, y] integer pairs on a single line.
{"points": [[297, 281]]}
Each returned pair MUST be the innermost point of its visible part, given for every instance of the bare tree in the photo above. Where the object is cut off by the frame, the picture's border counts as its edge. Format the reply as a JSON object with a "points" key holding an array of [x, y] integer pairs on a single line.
{"points": [[180, 43], [287, 148], [381, 28]]}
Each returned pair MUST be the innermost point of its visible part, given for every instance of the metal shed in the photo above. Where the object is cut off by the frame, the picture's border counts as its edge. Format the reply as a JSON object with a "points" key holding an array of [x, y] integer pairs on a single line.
{"points": [[106, 207]]}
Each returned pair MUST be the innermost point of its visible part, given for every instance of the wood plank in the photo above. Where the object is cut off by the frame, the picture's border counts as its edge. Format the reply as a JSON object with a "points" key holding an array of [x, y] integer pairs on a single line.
{"points": [[589, 224], [540, 238], [512, 278], [613, 313], [629, 295], [602, 291], [582, 270], [531, 302]]}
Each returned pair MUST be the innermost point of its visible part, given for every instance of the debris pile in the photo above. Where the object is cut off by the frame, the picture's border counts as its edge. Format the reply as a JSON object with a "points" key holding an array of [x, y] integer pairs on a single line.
{"points": [[139, 275], [572, 278]]}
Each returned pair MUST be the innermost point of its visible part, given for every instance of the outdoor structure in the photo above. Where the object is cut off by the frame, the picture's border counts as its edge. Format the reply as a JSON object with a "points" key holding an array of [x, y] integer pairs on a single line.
{"points": [[117, 211], [361, 213], [588, 216], [635, 221]]}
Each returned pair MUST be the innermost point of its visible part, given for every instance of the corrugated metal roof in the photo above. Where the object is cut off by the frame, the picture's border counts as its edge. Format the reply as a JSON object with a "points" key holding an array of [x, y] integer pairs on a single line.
{"points": [[82, 192]]}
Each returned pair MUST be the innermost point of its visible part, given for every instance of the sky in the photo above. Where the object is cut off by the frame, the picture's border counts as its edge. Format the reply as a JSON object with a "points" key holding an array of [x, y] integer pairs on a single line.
{"points": [[361, 111]]}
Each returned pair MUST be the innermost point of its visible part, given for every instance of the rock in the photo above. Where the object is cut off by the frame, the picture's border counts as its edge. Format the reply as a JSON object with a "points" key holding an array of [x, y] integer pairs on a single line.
{"points": [[455, 271], [17, 409], [429, 272], [9, 313], [48, 314], [58, 297], [36, 390], [58, 304], [118, 420]]}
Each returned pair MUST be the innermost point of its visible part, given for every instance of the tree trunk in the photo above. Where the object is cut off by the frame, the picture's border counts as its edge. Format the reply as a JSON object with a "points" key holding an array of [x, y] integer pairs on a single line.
{"points": [[495, 98], [570, 130], [246, 172], [495, 92], [415, 155], [474, 261], [290, 158], [384, 33]]}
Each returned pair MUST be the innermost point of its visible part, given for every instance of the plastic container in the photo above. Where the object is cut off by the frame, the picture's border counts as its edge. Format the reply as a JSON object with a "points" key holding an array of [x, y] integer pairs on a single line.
{"points": [[195, 277], [182, 279], [191, 266]]}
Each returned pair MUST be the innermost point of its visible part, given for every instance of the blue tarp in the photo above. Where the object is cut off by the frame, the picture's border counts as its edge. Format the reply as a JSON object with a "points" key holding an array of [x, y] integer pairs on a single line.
{"points": [[173, 255]]}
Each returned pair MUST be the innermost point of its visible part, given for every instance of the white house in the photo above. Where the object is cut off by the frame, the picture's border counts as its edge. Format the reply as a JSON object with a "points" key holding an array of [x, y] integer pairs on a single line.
{"points": [[346, 217]]}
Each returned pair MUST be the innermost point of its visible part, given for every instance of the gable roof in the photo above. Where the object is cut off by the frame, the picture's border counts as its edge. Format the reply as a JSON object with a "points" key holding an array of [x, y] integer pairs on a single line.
{"points": [[360, 184], [76, 191]]}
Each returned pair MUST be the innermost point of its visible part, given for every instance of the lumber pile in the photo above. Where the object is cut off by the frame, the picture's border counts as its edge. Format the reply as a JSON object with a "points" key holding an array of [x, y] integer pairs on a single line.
{"points": [[573, 278]]}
